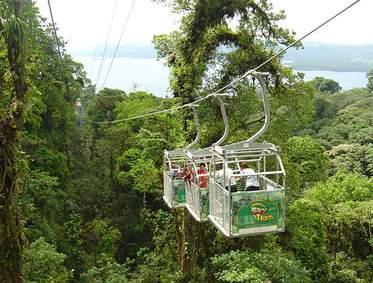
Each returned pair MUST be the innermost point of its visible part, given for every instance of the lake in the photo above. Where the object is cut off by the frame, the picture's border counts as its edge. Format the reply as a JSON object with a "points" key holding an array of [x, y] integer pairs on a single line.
{"points": [[129, 74], [151, 75], [347, 80]]}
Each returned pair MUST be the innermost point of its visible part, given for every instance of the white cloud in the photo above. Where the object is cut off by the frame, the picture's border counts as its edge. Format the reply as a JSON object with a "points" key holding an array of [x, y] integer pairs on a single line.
{"points": [[352, 27], [84, 23]]}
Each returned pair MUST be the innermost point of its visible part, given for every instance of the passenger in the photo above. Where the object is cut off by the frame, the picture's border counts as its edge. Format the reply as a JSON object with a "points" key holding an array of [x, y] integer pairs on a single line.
{"points": [[204, 179], [252, 183], [175, 171], [188, 174], [229, 179]]}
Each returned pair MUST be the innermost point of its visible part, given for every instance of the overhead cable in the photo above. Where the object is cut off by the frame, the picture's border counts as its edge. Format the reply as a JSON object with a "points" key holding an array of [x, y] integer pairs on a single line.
{"points": [[55, 31], [59, 50], [106, 41], [282, 51], [119, 41], [232, 83]]}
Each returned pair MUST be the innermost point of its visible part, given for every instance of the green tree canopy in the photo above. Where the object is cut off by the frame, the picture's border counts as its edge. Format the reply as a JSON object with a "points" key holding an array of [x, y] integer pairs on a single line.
{"points": [[370, 80], [325, 85], [44, 264]]}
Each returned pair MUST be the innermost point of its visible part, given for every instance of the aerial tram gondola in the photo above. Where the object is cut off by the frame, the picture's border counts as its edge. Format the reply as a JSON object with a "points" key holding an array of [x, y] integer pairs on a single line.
{"points": [[173, 184], [197, 191], [237, 209], [174, 162]]}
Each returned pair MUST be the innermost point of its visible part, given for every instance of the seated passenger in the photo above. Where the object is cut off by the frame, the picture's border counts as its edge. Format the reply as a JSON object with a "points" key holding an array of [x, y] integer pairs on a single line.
{"points": [[228, 177], [204, 179], [252, 183], [175, 171]]}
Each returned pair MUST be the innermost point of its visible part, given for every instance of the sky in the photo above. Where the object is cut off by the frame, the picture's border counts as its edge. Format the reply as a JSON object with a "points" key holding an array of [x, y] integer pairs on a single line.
{"points": [[84, 23]]}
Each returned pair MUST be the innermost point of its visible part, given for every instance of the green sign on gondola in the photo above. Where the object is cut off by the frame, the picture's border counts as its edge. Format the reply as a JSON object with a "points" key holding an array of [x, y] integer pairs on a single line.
{"points": [[179, 189], [258, 213]]}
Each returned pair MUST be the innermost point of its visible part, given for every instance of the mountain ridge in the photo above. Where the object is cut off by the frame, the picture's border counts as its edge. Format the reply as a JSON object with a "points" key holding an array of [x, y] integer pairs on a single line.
{"points": [[313, 56]]}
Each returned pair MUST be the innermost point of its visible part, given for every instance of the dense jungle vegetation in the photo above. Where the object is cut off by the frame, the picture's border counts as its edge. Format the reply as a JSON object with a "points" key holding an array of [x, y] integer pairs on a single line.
{"points": [[82, 202]]}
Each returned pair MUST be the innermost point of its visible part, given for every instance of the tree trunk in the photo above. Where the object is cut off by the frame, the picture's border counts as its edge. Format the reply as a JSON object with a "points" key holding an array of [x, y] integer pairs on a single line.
{"points": [[10, 126], [184, 243], [181, 225]]}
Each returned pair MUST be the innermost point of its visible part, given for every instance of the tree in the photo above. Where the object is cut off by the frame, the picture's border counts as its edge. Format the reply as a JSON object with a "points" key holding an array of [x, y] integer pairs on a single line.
{"points": [[102, 107], [41, 206], [328, 229], [13, 91], [267, 265], [209, 51], [351, 158], [101, 241], [370, 80], [72, 244], [352, 122], [107, 272], [44, 264], [93, 193], [37, 91], [325, 85], [305, 163]]}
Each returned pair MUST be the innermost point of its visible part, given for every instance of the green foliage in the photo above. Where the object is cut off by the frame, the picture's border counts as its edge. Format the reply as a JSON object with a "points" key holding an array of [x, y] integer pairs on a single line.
{"points": [[54, 161], [14, 31], [72, 244], [352, 158], [139, 173], [205, 27], [346, 269], [44, 264], [342, 188], [36, 108], [155, 267], [101, 241], [102, 107], [106, 272], [305, 163], [266, 265], [94, 190], [333, 217], [324, 109], [139, 165], [370, 80], [13, 98], [353, 119], [306, 236], [325, 85], [45, 125], [41, 206]]}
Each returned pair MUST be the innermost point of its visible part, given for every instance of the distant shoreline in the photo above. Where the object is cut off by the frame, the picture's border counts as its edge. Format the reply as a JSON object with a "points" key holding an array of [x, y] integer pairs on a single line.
{"points": [[313, 57], [153, 76], [330, 69]]}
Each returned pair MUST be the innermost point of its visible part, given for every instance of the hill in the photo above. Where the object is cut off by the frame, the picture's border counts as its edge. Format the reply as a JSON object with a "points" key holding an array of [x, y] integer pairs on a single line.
{"points": [[331, 57], [314, 56]]}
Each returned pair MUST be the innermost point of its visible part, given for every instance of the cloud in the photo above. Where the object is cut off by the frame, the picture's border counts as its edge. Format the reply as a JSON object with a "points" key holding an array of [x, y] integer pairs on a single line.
{"points": [[84, 23], [352, 27]]}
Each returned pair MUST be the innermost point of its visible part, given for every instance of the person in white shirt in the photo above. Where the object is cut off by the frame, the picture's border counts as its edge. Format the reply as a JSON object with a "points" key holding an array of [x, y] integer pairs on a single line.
{"points": [[229, 179], [252, 183]]}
